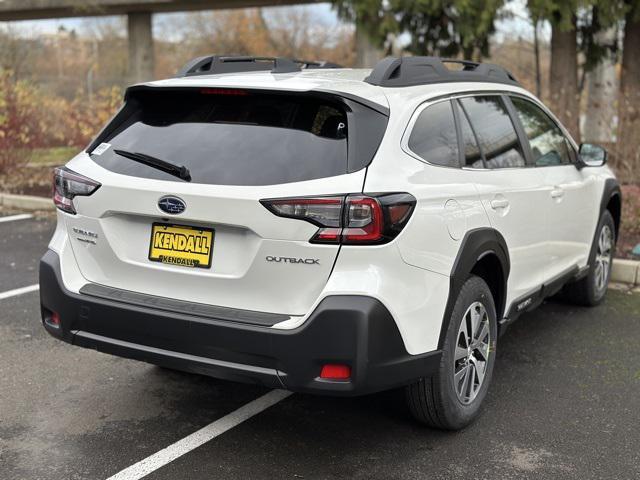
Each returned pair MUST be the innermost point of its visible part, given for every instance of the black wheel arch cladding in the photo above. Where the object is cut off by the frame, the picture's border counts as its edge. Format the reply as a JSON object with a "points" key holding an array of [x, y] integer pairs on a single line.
{"points": [[476, 245], [612, 201]]}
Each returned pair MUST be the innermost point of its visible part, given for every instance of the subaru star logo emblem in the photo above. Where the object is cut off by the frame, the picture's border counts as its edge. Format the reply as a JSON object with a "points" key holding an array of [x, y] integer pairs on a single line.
{"points": [[172, 205]]}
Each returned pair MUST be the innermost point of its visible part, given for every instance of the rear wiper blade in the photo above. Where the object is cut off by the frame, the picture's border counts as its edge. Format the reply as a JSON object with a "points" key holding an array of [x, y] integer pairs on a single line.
{"points": [[179, 171]]}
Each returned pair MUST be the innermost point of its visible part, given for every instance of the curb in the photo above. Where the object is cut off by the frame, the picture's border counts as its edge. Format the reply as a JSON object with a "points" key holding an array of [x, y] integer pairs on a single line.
{"points": [[25, 202], [625, 271]]}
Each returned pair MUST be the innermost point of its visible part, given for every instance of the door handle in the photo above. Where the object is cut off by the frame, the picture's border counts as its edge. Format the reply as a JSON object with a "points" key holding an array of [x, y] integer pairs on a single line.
{"points": [[499, 203], [557, 192]]}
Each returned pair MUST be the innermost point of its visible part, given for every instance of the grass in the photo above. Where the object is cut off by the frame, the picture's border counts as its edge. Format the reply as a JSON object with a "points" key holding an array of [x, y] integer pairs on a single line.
{"points": [[33, 177], [51, 157]]}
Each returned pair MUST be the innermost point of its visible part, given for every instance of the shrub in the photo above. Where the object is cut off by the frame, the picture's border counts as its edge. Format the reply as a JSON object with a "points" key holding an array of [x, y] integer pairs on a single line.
{"points": [[20, 121], [630, 228], [84, 116]]}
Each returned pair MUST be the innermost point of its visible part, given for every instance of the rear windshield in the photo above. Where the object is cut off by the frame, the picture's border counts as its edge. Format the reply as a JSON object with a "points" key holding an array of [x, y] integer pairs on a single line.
{"points": [[229, 137]]}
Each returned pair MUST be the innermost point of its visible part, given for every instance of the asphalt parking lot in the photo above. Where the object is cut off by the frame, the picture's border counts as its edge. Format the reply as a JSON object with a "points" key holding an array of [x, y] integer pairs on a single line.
{"points": [[565, 403]]}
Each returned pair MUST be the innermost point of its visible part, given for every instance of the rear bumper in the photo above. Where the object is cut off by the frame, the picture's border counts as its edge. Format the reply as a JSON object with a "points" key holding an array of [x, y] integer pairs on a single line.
{"points": [[354, 330]]}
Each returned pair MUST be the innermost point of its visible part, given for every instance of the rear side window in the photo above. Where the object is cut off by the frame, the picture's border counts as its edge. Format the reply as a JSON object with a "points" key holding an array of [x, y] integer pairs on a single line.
{"points": [[548, 144], [233, 137], [433, 137], [495, 131]]}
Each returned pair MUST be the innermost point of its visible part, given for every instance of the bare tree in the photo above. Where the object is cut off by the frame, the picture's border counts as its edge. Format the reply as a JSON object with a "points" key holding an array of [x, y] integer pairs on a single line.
{"points": [[16, 52]]}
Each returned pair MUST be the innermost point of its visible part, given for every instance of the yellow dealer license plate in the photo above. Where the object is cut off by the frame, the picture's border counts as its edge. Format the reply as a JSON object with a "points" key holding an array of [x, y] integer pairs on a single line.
{"points": [[181, 245]]}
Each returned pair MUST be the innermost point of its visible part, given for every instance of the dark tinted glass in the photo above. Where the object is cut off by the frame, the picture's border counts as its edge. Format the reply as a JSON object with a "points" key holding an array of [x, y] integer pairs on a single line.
{"points": [[548, 144], [433, 137], [472, 155], [233, 137], [496, 133]]}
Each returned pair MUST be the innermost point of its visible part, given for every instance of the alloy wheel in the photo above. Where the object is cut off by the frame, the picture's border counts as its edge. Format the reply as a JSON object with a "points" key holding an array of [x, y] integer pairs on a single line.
{"points": [[472, 353], [604, 252]]}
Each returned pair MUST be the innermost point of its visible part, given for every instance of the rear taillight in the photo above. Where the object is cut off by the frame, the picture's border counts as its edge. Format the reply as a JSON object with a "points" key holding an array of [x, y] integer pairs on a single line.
{"points": [[224, 91], [350, 219], [68, 184]]}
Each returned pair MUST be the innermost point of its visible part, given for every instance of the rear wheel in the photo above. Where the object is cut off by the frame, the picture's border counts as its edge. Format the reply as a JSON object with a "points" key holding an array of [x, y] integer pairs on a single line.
{"points": [[451, 399], [590, 290]]}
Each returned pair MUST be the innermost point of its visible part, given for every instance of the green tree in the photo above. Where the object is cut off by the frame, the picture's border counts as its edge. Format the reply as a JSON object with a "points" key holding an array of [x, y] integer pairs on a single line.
{"points": [[434, 27], [373, 17], [594, 18], [563, 72], [448, 28]]}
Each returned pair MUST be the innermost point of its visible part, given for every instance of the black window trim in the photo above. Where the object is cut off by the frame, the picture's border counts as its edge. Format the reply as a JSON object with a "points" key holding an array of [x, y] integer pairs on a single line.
{"points": [[520, 132], [456, 122], [460, 108]]}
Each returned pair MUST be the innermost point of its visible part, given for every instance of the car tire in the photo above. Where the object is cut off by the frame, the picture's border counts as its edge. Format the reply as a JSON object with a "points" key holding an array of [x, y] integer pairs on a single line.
{"points": [[445, 401], [590, 290]]}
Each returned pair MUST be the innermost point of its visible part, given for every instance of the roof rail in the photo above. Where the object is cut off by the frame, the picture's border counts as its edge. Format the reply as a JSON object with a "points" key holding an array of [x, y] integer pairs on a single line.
{"points": [[214, 64], [410, 71], [313, 65]]}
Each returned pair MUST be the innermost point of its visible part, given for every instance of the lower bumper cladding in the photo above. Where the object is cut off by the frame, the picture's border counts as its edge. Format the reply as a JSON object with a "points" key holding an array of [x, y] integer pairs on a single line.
{"points": [[356, 332]]}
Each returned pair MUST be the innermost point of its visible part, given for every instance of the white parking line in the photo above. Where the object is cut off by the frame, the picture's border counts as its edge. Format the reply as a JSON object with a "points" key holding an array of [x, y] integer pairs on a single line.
{"points": [[202, 436], [19, 291], [11, 218]]}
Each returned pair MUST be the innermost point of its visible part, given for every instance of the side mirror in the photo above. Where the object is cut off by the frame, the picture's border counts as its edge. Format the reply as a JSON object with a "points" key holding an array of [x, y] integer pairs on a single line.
{"points": [[592, 155]]}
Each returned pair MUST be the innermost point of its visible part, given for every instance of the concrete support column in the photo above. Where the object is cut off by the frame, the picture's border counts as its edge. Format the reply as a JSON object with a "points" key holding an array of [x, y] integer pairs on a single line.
{"points": [[367, 55], [141, 58]]}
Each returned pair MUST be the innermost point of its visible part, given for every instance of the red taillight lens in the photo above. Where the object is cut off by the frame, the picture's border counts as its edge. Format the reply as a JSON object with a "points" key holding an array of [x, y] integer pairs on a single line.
{"points": [[350, 219], [364, 220], [327, 235], [335, 372], [68, 184]]}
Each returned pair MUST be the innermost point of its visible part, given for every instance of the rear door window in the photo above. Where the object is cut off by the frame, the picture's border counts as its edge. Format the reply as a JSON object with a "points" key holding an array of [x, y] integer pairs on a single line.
{"points": [[232, 137], [548, 144], [495, 131], [433, 137]]}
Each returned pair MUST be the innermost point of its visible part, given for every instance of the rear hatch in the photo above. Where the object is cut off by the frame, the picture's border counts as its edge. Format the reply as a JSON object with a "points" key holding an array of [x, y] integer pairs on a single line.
{"points": [[204, 236]]}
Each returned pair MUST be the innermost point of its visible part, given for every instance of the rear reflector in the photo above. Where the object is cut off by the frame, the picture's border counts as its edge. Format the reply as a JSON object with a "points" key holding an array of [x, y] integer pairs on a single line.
{"points": [[350, 219], [53, 320], [336, 372]]}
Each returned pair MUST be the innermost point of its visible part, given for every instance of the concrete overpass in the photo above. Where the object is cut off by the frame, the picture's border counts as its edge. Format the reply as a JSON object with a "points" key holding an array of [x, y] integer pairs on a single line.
{"points": [[139, 14]]}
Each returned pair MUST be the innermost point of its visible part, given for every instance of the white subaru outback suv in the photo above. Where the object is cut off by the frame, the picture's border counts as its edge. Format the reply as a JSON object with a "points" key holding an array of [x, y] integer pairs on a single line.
{"points": [[327, 230]]}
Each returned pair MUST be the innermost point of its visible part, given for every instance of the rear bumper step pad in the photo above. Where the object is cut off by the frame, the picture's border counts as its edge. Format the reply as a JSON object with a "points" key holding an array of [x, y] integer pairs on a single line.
{"points": [[180, 306]]}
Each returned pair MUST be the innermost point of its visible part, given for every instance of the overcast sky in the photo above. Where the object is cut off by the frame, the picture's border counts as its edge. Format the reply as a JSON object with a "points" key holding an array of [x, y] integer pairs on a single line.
{"points": [[516, 25]]}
